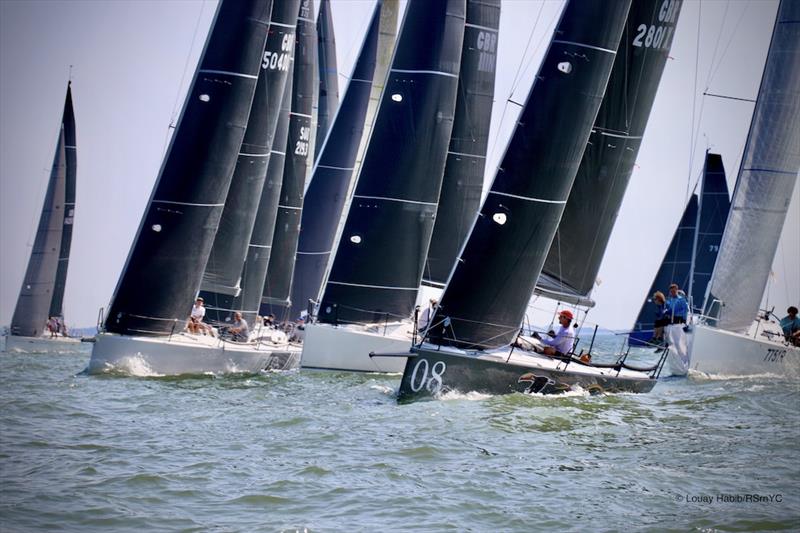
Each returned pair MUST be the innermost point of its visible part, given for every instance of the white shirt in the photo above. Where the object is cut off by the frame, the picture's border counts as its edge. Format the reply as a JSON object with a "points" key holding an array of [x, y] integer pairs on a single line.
{"points": [[198, 311], [562, 341], [425, 319]]}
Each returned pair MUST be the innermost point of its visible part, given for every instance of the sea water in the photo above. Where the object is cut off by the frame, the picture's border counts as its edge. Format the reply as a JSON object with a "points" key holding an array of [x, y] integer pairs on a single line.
{"points": [[326, 451]]}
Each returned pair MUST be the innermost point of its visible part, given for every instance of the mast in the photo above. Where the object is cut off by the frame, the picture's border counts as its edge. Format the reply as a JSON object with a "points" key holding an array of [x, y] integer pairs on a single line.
{"points": [[222, 276], [42, 289], [328, 89], [575, 256], [277, 288], [330, 181], [166, 262], [462, 184], [765, 182], [378, 265], [487, 294]]}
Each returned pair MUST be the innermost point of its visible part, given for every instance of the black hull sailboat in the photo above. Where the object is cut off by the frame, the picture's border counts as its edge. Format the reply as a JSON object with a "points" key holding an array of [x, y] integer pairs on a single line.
{"points": [[42, 294], [477, 325]]}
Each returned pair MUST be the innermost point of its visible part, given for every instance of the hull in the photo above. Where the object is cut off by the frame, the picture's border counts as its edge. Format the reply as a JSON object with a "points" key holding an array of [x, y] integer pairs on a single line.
{"points": [[187, 354], [715, 351], [15, 343], [342, 348], [430, 372]]}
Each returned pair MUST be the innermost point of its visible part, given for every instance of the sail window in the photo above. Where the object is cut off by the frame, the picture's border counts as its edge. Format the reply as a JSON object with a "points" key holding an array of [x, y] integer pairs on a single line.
{"points": [[500, 218], [205, 98], [565, 67], [397, 97], [156, 227], [355, 239]]}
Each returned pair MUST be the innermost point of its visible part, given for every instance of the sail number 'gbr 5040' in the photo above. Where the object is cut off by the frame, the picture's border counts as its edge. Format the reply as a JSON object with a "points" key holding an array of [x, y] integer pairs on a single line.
{"points": [[659, 35], [280, 61]]}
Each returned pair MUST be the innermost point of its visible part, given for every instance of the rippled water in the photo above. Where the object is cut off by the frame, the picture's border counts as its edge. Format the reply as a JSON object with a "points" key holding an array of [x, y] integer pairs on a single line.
{"points": [[322, 451]]}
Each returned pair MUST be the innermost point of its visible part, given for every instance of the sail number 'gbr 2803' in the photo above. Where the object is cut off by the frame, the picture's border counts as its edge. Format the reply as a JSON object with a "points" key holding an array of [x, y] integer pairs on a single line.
{"points": [[659, 35]]}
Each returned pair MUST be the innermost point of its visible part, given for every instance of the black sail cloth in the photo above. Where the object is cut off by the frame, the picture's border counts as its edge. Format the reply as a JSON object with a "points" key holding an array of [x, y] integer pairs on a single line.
{"points": [[222, 276], [488, 292], [466, 159], [378, 265], [277, 287], [328, 75], [330, 181], [577, 251], [165, 266], [42, 292]]}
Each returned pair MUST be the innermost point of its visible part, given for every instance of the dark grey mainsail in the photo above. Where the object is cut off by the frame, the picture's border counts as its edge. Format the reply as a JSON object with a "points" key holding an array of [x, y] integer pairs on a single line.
{"points": [[764, 186], [42, 292], [466, 159], [330, 181], [277, 288], [165, 266], [222, 276], [328, 75], [378, 265], [259, 250], [574, 258], [486, 297]]}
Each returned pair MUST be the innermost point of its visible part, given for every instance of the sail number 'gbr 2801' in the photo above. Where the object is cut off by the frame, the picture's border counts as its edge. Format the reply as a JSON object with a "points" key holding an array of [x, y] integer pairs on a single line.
{"points": [[659, 35]]}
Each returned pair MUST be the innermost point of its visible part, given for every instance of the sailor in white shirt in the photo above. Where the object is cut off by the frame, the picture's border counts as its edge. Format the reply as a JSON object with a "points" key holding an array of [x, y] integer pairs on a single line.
{"points": [[561, 344]]}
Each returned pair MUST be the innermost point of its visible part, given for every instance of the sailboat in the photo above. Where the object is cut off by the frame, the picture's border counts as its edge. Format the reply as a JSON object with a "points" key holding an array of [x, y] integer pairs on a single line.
{"points": [[475, 341], [726, 340], [164, 269], [38, 318], [693, 250], [372, 283], [328, 189]]}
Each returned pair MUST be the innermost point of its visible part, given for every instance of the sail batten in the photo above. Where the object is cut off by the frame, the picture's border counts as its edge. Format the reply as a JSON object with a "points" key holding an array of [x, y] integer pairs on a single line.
{"points": [[764, 185]]}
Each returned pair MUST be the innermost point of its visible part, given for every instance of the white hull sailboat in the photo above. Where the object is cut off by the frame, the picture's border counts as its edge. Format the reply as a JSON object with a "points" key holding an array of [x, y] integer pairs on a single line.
{"points": [[719, 352], [190, 354], [16, 343], [349, 347]]}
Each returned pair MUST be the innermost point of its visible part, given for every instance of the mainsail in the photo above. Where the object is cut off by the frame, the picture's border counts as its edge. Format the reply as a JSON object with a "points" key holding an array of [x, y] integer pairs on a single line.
{"points": [[278, 283], [577, 251], [466, 159], [330, 181], [693, 250], [328, 89], [486, 297], [221, 279], [42, 292], [165, 266], [764, 186], [378, 265]]}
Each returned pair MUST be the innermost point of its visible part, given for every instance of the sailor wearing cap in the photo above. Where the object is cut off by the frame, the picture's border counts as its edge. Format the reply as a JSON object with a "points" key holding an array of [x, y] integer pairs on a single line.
{"points": [[195, 324], [561, 344]]}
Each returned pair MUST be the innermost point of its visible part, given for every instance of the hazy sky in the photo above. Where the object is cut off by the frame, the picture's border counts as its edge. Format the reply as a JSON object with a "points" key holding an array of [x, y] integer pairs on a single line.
{"points": [[133, 61]]}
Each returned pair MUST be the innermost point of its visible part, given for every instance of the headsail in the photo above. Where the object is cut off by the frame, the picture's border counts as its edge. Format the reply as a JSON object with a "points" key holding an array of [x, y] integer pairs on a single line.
{"points": [[222, 276], [330, 181], [165, 266], [577, 251], [462, 184], [764, 186], [277, 287], [486, 297], [328, 89], [378, 265], [42, 292]]}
